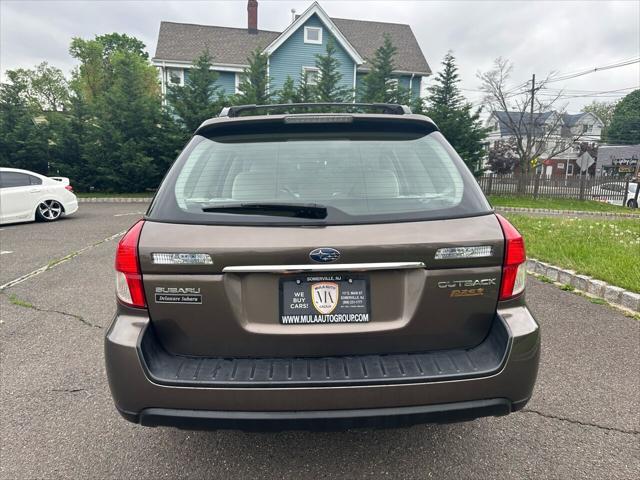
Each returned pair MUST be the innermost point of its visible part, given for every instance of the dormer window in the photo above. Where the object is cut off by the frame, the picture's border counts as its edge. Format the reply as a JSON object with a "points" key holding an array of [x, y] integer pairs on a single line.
{"points": [[313, 35]]}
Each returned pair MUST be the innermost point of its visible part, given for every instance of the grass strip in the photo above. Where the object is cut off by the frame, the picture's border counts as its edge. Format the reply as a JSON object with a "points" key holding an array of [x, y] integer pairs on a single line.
{"points": [[608, 250]]}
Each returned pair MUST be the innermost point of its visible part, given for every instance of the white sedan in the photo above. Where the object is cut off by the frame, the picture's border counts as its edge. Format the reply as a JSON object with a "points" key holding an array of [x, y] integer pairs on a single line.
{"points": [[26, 196], [613, 193]]}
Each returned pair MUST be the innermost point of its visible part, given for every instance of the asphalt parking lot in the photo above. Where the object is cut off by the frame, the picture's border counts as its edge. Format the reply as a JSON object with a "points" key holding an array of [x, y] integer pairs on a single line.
{"points": [[57, 419]]}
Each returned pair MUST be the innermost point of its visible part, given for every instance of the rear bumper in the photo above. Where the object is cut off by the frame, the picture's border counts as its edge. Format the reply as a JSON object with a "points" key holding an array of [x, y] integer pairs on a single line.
{"points": [[141, 398], [70, 207], [322, 420]]}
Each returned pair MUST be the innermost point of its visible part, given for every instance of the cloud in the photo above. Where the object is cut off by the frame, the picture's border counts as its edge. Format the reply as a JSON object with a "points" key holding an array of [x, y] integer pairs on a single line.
{"points": [[539, 37]]}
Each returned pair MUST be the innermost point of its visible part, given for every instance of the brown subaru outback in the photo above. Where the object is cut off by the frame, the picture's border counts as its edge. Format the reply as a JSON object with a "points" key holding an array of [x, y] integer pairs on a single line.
{"points": [[299, 269]]}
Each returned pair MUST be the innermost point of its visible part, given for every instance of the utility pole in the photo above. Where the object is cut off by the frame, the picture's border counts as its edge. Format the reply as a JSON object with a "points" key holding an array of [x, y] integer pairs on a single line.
{"points": [[532, 120], [533, 92]]}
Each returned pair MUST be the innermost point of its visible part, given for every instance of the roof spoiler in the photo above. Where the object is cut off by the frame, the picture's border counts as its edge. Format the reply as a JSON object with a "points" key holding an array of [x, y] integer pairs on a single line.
{"points": [[324, 107]]}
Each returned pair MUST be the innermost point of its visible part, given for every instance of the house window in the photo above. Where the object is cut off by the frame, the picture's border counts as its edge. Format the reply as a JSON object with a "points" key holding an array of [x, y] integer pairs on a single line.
{"points": [[569, 168], [175, 76], [586, 128], [312, 74], [313, 35], [238, 81], [392, 85]]}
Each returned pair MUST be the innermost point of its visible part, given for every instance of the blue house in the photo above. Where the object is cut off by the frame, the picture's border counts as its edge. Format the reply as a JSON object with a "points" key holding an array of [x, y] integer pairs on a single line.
{"points": [[291, 52]]}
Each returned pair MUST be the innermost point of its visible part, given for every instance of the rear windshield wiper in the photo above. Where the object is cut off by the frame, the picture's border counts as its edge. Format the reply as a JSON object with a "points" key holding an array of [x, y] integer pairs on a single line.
{"points": [[296, 210]]}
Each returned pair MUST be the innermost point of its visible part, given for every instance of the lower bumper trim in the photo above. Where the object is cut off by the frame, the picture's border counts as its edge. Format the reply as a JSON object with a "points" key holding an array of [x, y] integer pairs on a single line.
{"points": [[322, 419]]}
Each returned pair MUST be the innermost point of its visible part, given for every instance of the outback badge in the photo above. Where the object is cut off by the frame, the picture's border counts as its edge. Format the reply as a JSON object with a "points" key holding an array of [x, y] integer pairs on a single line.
{"points": [[324, 255]]}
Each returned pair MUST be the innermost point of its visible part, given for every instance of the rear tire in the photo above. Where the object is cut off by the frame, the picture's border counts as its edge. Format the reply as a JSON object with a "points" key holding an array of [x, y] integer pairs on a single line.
{"points": [[49, 211], [632, 203]]}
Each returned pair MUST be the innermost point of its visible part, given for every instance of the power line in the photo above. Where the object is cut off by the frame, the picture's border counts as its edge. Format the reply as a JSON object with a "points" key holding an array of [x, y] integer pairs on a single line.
{"points": [[602, 94], [576, 91], [561, 93], [569, 76], [616, 62]]}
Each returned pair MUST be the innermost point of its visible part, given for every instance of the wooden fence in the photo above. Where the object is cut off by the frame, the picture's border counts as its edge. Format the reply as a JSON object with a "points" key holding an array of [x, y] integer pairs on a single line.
{"points": [[579, 187]]}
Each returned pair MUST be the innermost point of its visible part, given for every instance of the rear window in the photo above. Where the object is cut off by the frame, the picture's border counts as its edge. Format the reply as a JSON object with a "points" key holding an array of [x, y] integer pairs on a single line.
{"points": [[360, 176]]}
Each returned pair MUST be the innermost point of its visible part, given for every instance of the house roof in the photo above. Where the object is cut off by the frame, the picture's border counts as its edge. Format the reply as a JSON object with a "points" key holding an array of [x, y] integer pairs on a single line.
{"points": [[184, 42], [316, 9], [507, 119], [366, 37], [569, 121]]}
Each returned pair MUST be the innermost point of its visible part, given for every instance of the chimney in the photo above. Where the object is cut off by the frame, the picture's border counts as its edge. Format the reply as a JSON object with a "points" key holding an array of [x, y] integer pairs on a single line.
{"points": [[252, 16]]}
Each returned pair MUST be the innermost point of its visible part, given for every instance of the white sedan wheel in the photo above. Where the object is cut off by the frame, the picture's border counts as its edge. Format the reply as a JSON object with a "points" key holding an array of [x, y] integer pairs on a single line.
{"points": [[49, 210]]}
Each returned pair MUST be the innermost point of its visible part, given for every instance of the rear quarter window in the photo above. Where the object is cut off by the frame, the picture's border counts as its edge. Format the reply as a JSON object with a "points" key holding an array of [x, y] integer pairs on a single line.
{"points": [[14, 179]]}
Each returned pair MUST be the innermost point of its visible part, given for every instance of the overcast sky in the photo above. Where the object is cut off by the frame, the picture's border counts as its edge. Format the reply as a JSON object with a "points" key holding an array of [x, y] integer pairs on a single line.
{"points": [[539, 37]]}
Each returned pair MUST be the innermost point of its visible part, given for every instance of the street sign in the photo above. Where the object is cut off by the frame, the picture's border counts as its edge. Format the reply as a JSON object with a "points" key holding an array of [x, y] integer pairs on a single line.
{"points": [[585, 161]]}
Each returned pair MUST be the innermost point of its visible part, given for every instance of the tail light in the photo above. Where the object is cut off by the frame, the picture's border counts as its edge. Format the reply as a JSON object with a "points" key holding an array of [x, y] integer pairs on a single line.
{"points": [[68, 187], [514, 272], [129, 289]]}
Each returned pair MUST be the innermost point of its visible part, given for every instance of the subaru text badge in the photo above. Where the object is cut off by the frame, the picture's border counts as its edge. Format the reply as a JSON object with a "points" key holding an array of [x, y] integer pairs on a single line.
{"points": [[324, 255]]}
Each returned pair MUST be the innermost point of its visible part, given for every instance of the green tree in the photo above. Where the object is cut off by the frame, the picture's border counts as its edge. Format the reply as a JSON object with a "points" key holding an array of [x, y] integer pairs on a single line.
{"points": [[200, 98], [625, 123], [67, 138], [379, 84], [255, 88], [455, 117], [112, 42], [122, 120], [604, 111], [95, 59], [328, 87], [45, 87], [288, 93], [91, 75], [23, 141]]}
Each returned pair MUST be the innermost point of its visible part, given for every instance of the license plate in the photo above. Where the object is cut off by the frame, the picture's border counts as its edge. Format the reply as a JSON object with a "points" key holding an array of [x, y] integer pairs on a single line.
{"points": [[324, 299]]}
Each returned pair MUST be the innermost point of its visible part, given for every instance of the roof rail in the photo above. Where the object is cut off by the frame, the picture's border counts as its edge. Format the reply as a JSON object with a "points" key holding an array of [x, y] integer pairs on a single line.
{"points": [[283, 108]]}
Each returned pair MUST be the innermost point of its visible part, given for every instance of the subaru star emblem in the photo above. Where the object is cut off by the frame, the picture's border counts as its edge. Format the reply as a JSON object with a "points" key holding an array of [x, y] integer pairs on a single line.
{"points": [[324, 255]]}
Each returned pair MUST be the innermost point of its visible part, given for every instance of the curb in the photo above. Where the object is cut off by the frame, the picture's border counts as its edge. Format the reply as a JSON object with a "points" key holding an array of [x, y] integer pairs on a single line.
{"points": [[579, 213], [595, 288], [114, 199]]}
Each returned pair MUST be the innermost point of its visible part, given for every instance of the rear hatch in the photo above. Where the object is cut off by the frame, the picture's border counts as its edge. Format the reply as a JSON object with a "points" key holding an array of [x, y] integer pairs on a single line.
{"points": [[272, 238]]}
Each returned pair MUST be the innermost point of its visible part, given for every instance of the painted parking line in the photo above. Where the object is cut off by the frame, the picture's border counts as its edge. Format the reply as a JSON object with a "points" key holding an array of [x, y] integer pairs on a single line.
{"points": [[58, 261], [5, 252], [126, 214]]}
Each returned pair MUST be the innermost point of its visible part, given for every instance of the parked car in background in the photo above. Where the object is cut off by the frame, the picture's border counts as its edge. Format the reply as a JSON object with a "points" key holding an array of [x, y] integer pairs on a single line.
{"points": [[326, 270], [613, 193], [27, 196]]}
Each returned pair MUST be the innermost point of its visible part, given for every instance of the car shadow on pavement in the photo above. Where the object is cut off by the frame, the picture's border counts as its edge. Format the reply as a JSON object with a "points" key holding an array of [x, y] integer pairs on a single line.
{"points": [[352, 453]]}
